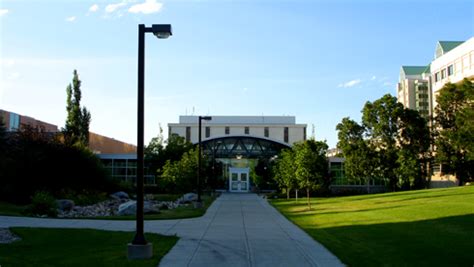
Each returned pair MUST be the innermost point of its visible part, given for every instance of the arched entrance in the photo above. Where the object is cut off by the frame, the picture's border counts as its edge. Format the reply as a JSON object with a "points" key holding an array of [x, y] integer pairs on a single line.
{"points": [[237, 159]]}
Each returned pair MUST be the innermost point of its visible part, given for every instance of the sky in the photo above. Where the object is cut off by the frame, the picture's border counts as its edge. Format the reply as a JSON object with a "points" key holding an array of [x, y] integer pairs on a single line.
{"points": [[319, 61]]}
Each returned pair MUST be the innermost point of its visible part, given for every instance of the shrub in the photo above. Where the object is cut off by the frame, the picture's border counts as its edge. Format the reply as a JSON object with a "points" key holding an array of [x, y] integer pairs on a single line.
{"points": [[43, 203]]}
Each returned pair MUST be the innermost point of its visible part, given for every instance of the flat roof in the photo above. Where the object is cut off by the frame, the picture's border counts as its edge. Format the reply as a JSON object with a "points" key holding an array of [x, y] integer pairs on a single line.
{"points": [[229, 120]]}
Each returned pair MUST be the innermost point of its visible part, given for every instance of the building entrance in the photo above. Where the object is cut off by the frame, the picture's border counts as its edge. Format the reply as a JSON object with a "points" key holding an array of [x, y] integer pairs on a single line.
{"points": [[238, 179]]}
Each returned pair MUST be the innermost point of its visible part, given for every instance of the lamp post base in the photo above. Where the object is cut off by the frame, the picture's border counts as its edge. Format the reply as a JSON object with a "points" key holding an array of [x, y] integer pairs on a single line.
{"points": [[139, 252]]}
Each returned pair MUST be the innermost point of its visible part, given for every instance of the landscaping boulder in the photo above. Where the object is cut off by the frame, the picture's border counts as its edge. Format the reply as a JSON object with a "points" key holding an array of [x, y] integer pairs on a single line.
{"points": [[130, 208], [65, 204], [188, 198], [120, 195]]}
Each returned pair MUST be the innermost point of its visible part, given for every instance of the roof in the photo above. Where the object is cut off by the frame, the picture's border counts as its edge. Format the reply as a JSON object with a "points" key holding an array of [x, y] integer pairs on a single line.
{"points": [[449, 45], [414, 70], [444, 47]]}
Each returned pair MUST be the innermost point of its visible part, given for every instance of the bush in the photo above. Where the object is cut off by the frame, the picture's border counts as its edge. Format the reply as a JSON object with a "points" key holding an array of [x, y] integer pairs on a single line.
{"points": [[43, 203], [36, 161]]}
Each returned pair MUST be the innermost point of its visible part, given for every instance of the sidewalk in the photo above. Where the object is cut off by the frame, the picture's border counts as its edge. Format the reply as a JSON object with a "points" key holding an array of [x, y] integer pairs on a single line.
{"points": [[237, 230]]}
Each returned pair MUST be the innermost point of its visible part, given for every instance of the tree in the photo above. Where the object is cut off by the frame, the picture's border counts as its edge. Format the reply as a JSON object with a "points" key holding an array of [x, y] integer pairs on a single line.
{"points": [[158, 152], [360, 162], [311, 166], [454, 124], [381, 121], [76, 130], [181, 175], [413, 155], [284, 171], [392, 143]]}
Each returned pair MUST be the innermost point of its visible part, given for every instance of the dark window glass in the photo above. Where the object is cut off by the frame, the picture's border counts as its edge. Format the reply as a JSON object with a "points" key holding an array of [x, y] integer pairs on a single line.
{"points": [[266, 132], [188, 134], [304, 133], [450, 70], [227, 130], [208, 131], [285, 134], [247, 131]]}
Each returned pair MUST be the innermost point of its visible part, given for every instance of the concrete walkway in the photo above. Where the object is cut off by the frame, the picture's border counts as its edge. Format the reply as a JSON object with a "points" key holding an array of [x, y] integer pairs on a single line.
{"points": [[237, 230]]}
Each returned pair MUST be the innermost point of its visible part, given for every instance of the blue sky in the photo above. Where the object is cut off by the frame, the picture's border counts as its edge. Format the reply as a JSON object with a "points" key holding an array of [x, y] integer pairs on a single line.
{"points": [[317, 60]]}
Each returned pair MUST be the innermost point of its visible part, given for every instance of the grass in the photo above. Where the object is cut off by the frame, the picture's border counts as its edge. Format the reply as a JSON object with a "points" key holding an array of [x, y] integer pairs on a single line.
{"points": [[78, 247], [416, 228], [179, 213], [12, 209]]}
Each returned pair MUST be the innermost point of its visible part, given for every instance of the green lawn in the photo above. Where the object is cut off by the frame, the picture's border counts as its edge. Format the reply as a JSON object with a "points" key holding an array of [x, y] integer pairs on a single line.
{"points": [[11, 209], [78, 247], [416, 228]]}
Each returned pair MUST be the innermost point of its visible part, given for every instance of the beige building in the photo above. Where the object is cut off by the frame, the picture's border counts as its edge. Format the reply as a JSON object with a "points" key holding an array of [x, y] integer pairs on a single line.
{"points": [[413, 89], [453, 62], [419, 86], [283, 129]]}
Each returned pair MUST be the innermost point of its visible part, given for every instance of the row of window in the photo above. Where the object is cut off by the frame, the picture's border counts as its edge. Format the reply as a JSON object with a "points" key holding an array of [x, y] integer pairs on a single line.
{"points": [[266, 132], [440, 75]]}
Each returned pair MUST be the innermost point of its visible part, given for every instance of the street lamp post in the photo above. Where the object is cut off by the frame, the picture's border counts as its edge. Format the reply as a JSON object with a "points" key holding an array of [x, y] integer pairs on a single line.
{"points": [[140, 248], [200, 118]]}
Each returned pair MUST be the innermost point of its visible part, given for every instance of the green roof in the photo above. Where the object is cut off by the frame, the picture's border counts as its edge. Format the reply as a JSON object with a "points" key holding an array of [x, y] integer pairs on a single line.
{"points": [[449, 45], [413, 70], [444, 47]]}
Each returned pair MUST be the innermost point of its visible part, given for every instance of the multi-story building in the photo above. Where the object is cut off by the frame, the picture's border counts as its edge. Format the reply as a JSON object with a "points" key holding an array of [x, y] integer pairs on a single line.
{"points": [[453, 62], [413, 90], [236, 145], [276, 128], [419, 86]]}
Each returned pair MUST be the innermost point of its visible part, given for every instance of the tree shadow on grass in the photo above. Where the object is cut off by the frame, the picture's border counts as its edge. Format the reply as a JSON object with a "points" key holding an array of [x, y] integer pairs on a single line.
{"points": [[447, 241]]}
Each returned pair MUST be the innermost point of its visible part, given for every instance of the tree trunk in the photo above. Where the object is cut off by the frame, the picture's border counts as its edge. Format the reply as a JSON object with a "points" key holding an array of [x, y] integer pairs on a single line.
{"points": [[296, 193], [287, 193], [309, 201]]}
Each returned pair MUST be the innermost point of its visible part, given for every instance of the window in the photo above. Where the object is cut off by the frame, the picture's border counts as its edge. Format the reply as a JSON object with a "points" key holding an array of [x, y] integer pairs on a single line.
{"points": [[188, 134], [437, 78], [266, 132], [208, 131], [450, 70], [247, 131], [443, 73], [304, 133], [285, 134], [227, 130]]}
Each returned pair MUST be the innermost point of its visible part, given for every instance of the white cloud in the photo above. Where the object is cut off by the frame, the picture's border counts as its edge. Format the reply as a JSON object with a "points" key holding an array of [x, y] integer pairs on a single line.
{"points": [[373, 78], [148, 7], [113, 7], [71, 19], [3, 12], [387, 84], [350, 83], [94, 8]]}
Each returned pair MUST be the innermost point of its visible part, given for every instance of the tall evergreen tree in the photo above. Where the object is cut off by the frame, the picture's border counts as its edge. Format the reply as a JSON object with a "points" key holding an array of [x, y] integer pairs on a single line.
{"points": [[76, 130]]}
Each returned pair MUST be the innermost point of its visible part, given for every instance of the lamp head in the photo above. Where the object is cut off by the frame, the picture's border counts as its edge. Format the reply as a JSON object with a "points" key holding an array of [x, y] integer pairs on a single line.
{"points": [[206, 118], [162, 31]]}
